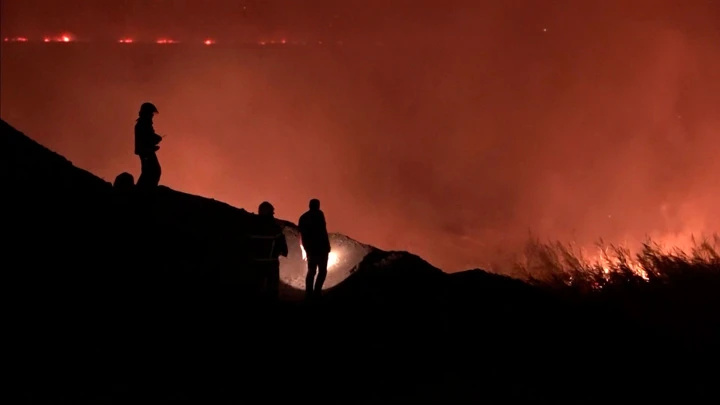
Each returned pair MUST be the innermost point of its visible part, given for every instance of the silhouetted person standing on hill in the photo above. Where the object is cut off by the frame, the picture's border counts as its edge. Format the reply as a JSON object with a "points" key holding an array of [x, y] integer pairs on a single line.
{"points": [[315, 241], [146, 146], [268, 244]]}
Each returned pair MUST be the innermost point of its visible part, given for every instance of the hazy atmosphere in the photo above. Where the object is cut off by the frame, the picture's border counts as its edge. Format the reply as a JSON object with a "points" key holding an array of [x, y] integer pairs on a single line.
{"points": [[449, 129]]}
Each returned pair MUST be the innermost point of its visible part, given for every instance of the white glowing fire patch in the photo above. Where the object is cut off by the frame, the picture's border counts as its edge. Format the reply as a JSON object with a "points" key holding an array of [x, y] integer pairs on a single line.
{"points": [[333, 258]]}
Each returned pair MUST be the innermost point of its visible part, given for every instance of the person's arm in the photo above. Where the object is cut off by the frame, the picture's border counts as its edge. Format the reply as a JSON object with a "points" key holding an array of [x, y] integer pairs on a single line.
{"points": [[155, 139], [324, 223], [301, 228], [326, 235], [155, 136], [282, 245]]}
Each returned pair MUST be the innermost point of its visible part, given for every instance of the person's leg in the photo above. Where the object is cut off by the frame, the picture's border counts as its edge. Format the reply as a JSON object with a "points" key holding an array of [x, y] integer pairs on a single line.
{"points": [[310, 278], [256, 281], [273, 281], [142, 180], [155, 170], [322, 263]]}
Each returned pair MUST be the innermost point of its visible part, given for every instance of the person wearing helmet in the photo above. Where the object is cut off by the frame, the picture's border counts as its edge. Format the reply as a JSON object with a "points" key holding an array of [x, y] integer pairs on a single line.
{"points": [[315, 241], [268, 243], [146, 146]]}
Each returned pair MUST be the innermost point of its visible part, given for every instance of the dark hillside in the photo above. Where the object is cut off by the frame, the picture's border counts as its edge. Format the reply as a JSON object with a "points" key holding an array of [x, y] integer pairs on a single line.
{"points": [[126, 298]]}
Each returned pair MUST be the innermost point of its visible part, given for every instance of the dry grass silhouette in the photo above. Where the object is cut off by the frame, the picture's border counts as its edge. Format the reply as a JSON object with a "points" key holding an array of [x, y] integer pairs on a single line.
{"points": [[562, 265]]}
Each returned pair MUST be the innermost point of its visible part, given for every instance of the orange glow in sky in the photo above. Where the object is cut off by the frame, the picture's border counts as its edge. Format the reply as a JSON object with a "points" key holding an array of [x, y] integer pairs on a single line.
{"points": [[468, 129]]}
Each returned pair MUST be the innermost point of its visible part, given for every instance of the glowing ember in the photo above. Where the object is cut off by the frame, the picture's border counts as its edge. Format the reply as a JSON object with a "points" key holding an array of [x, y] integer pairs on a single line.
{"points": [[46, 39], [126, 41], [333, 258], [65, 38], [209, 42]]}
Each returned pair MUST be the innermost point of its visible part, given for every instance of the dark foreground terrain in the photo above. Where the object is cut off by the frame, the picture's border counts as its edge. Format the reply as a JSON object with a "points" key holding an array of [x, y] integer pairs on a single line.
{"points": [[121, 298]]}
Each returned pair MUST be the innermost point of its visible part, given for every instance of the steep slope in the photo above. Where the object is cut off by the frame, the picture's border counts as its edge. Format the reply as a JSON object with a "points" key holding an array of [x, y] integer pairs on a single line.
{"points": [[169, 231], [131, 296], [64, 222], [78, 218]]}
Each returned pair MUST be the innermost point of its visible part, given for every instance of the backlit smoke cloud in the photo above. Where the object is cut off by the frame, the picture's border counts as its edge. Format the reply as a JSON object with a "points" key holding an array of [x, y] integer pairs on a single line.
{"points": [[449, 129]]}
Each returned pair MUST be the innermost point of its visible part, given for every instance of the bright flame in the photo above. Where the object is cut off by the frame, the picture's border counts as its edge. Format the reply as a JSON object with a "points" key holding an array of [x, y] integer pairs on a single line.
{"points": [[666, 242], [607, 263], [65, 38], [333, 257]]}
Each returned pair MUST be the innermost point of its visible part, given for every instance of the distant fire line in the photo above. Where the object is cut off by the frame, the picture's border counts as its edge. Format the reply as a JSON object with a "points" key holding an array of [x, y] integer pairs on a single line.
{"points": [[66, 38]]}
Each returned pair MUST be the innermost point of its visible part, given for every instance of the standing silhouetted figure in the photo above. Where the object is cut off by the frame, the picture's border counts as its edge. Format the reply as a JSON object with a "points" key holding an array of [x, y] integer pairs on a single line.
{"points": [[146, 146], [268, 244], [315, 241]]}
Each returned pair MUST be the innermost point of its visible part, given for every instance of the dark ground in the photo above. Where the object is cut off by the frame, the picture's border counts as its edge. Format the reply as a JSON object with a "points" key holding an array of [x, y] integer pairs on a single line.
{"points": [[113, 302]]}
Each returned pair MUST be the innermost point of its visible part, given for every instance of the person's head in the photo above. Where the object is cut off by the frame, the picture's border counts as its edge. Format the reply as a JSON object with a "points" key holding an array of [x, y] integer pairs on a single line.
{"points": [[266, 209], [124, 182], [314, 204], [147, 110]]}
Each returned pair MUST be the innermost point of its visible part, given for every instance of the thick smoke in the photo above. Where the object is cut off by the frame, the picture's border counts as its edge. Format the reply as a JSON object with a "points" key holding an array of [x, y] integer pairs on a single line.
{"points": [[449, 130]]}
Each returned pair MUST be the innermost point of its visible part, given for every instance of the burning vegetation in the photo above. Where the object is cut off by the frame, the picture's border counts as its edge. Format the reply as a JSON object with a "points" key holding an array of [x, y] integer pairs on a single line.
{"points": [[562, 265]]}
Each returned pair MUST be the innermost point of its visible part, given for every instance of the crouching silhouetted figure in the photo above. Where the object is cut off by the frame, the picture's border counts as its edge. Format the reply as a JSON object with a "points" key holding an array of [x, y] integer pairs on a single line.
{"points": [[268, 243], [124, 182], [146, 146], [315, 241], [123, 188]]}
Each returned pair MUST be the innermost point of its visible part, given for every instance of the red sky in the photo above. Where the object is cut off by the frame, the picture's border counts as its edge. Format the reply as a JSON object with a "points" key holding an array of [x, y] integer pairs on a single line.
{"points": [[475, 123]]}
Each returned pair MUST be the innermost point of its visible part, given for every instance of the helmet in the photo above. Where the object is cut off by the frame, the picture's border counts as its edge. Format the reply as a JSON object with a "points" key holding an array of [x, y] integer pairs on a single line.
{"points": [[266, 209], [148, 108]]}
